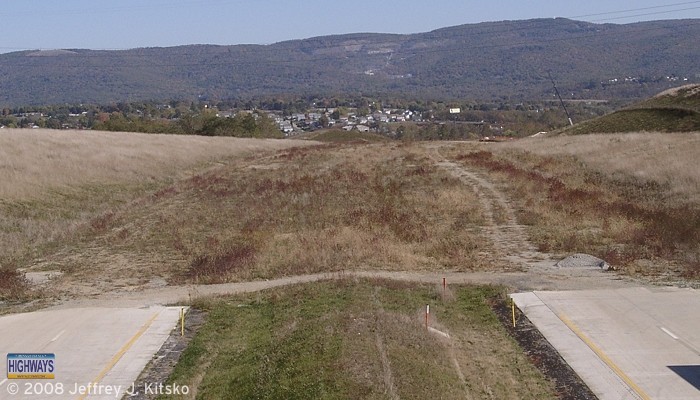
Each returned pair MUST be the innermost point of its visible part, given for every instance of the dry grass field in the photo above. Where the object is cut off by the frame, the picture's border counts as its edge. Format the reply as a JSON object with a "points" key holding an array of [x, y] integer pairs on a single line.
{"points": [[54, 183], [303, 210], [631, 199], [36, 161], [667, 160], [116, 211]]}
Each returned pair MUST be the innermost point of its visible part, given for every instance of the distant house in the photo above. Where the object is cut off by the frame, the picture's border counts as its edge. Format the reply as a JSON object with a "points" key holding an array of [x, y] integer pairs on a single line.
{"points": [[225, 114], [362, 128], [286, 127], [381, 117]]}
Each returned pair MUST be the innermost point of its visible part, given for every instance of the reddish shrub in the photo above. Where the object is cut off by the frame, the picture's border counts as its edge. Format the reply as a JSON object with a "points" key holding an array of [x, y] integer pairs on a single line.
{"points": [[13, 284]]}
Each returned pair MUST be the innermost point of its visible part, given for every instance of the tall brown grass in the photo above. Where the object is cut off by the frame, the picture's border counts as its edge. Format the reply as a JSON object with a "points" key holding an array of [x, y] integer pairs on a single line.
{"points": [[302, 210], [54, 182], [334, 208], [631, 199], [35, 161], [13, 284], [667, 160]]}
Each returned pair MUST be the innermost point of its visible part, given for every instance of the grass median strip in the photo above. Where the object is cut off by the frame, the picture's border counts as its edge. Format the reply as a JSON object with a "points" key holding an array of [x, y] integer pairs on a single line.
{"points": [[348, 338]]}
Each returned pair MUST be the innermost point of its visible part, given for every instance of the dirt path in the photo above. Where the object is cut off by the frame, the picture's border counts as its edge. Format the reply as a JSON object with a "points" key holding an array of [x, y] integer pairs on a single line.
{"points": [[512, 245], [518, 281], [502, 228]]}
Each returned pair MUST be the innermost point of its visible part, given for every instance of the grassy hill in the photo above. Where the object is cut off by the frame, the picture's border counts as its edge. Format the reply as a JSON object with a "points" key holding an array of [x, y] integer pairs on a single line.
{"points": [[674, 110], [474, 61]]}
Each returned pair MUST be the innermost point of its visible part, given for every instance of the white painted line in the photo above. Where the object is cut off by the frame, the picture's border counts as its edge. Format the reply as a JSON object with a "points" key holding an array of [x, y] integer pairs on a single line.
{"points": [[441, 333], [58, 336], [3, 382], [669, 333]]}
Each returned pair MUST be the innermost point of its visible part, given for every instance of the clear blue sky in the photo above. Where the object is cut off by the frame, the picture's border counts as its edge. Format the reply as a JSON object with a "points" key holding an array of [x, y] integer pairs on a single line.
{"points": [[123, 24]]}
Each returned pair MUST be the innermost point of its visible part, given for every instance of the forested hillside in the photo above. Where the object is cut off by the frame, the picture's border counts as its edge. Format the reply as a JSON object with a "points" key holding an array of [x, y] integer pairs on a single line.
{"points": [[492, 60]]}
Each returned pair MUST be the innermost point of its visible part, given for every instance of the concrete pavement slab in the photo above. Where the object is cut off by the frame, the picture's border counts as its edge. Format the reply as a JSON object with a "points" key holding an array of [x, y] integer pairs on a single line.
{"points": [[624, 343], [99, 352]]}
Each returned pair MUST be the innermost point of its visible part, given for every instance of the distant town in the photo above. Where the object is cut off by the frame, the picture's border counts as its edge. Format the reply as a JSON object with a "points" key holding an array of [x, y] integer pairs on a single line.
{"points": [[290, 125]]}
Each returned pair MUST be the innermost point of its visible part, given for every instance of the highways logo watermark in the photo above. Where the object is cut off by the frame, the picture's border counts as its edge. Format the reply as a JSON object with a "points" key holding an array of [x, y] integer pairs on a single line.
{"points": [[31, 365]]}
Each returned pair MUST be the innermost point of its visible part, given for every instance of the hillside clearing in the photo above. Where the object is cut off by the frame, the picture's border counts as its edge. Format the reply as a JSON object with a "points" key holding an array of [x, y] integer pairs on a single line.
{"points": [[671, 111]]}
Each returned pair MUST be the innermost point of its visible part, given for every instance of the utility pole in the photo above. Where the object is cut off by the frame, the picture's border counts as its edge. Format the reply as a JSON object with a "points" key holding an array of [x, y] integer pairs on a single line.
{"points": [[560, 99]]}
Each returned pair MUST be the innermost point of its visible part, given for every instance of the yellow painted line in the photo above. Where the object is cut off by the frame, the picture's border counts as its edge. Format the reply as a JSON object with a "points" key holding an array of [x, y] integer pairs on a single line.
{"points": [[121, 353], [609, 362]]}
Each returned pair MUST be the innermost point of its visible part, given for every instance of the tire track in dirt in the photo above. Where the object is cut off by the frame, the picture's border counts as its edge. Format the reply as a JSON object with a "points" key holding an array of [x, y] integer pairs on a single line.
{"points": [[383, 355], [511, 243], [551, 279], [508, 237]]}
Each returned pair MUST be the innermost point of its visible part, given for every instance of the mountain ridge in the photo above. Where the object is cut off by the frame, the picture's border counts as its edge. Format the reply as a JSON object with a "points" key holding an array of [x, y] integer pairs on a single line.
{"points": [[489, 60]]}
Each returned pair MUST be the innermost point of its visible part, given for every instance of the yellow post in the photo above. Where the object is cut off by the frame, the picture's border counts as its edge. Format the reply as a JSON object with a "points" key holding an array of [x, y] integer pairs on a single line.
{"points": [[512, 306], [182, 321]]}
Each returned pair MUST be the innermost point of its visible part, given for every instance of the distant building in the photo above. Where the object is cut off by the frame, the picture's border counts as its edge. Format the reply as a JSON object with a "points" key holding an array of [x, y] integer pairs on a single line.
{"points": [[286, 127]]}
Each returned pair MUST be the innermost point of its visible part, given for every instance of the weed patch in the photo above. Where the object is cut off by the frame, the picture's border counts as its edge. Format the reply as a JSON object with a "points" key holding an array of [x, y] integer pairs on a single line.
{"points": [[368, 206], [571, 209], [13, 284]]}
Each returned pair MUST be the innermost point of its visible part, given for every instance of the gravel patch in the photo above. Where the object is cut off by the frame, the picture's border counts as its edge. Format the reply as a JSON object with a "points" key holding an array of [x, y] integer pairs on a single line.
{"points": [[581, 260]]}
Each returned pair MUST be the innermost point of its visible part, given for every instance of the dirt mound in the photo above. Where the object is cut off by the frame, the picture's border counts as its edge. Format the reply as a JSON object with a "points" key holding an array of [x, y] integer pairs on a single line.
{"points": [[583, 261]]}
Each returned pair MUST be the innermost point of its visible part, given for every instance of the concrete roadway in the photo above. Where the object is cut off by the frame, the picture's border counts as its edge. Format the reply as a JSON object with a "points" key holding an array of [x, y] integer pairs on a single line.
{"points": [[98, 362], [633, 343], [625, 343]]}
